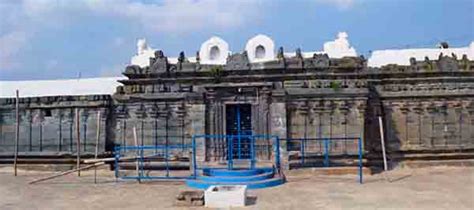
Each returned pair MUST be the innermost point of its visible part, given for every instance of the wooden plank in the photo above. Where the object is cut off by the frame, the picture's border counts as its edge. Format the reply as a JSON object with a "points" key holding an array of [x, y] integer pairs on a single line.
{"points": [[66, 173], [135, 139], [78, 142], [97, 144], [17, 130], [382, 141]]}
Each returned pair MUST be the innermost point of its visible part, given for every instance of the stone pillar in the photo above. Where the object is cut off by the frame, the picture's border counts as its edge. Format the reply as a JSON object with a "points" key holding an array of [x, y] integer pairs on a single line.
{"points": [[29, 121], [121, 114], [392, 142], [278, 127], [264, 111], [430, 120], [412, 126], [361, 106], [195, 125], [452, 130], [211, 121], [469, 128], [85, 140], [344, 113]]}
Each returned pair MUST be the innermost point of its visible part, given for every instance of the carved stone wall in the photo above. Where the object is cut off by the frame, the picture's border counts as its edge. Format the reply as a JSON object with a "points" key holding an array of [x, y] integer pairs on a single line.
{"points": [[429, 124], [155, 123], [48, 127]]}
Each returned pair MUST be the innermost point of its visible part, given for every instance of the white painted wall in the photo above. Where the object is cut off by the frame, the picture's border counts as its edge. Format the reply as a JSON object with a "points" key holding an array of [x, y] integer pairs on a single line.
{"points": [[66, 87], [402, 56]]}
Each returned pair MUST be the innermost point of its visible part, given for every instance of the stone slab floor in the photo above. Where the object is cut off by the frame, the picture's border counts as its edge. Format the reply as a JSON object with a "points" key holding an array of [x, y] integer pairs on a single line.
{"points": [[422, 188]]}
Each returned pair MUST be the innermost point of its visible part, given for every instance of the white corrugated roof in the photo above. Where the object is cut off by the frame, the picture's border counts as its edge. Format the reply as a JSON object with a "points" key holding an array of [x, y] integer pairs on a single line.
{"points": [[66, 87], [402, 56]]}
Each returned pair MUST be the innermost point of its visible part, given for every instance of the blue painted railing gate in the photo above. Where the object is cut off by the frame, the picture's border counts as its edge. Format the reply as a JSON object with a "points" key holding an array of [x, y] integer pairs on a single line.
{"points": [[136, 162], [152, 162], [327, 149], [263, 151]]}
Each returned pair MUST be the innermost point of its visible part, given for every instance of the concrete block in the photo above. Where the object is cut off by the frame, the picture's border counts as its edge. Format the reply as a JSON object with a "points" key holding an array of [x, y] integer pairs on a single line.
{"points": [[224, 196]]}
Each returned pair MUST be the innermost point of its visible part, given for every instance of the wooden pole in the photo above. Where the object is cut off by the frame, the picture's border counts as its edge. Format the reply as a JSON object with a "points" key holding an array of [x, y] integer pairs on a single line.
{"points": [[135, 139], [97, 144], [66, 172], [78, 143], [17, 130], [385, 166], [89, 161]]}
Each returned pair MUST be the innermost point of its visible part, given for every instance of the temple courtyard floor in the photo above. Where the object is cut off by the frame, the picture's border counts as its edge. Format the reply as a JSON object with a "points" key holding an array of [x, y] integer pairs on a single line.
{"points": [[420, 188]]}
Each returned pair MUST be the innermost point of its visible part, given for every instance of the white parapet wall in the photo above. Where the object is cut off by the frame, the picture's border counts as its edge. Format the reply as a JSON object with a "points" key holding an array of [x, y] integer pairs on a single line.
{"points": [[63, 87], [260, 48], [402, 56]]}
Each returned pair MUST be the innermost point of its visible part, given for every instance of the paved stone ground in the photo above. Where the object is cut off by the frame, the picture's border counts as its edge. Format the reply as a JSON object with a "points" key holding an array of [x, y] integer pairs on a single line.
{"points": [[422, 188]]}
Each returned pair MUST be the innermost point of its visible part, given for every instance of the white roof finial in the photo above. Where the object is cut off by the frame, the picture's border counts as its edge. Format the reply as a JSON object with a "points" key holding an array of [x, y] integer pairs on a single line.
{"points": [[142, 46], [342, 35], [144, 53], [340, 47]]}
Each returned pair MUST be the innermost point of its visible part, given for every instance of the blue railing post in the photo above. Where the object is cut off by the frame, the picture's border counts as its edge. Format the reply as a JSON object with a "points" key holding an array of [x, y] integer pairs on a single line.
{"points": [[326, 152], [277, 156], [230, 142], [360, 160], [166, 159], [239, 131], [231, 160], [302, 150], [194, 156], [141, 163], [252, 152], [117, 157]]}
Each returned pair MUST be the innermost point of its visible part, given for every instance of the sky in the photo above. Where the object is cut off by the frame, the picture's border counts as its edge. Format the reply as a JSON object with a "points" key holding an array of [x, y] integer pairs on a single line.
{"points": [[56, 39]]}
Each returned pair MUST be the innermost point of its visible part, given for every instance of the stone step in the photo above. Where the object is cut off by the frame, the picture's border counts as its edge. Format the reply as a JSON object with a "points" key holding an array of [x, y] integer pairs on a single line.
{"points": [[431, 163], [232, 179], [200, 184], [235, 172], [329, 171]]}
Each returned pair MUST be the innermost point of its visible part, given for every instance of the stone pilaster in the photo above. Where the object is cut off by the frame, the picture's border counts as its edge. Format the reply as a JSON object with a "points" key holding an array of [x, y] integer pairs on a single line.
{"points": [[278, 127], [195, 125]]}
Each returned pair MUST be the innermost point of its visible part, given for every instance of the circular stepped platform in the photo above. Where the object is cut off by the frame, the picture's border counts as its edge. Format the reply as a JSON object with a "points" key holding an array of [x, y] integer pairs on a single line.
{"points": [[253, 178]]}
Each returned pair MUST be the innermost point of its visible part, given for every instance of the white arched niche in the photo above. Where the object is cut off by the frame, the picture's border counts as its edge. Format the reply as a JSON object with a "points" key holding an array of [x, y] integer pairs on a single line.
{"points": [[214, 51], [260, 48]]}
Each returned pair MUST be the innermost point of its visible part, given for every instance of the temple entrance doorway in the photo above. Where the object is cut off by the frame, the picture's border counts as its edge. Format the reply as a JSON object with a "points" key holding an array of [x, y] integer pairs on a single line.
{"points": [[239, 127]]}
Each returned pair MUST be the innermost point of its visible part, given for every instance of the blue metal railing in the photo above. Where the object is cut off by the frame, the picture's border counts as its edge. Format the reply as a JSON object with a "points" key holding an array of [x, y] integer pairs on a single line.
{"points": [[162, 151], [230, 149], [326, 152]]}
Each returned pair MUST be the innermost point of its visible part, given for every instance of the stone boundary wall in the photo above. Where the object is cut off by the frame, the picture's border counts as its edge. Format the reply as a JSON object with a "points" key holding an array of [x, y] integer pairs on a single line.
{"points": [[48, 128]]}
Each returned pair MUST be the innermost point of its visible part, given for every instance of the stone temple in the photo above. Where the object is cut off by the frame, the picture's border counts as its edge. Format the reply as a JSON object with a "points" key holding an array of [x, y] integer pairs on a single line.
{"points": [[424, 96]]}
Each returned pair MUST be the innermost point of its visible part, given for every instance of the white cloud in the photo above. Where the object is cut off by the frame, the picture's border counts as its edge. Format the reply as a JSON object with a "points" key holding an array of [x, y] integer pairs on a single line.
{"points": [[118, 42], [10, 45], [20, 20], [180, 15], [342, 4]]}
